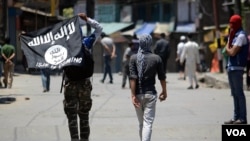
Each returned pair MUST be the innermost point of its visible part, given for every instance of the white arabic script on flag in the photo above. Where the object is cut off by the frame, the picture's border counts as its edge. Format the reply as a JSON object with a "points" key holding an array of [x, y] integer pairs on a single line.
{"points": [[55, 46]]}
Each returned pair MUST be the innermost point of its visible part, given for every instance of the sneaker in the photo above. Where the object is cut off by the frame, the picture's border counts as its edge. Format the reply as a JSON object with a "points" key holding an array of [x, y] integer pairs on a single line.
{"points": [[231, 121], [239, 122], [190, 87]]}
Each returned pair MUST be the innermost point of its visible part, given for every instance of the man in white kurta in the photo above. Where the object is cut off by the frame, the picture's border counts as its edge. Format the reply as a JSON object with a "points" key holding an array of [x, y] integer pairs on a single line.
{"points": [[191, 55]]}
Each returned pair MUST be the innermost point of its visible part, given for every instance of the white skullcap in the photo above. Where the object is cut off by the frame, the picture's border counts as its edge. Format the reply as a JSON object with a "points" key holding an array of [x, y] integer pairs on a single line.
{"points": [[183, 37]]}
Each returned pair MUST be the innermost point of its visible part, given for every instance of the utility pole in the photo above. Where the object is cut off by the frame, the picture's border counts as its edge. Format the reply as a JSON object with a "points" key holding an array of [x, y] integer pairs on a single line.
{"points": [[3, 19], [216, 21], [200, 16], [53, 7], [90, 8], [237, 6]]}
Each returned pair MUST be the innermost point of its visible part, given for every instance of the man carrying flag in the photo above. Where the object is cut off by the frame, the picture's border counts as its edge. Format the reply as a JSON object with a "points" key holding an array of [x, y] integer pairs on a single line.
{"points": [[66, 52]]}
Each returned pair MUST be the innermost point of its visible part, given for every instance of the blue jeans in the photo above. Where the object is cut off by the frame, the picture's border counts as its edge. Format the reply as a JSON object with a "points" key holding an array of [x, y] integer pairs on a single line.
{"points": [[45, 74], [236, 83], [107, 68]]}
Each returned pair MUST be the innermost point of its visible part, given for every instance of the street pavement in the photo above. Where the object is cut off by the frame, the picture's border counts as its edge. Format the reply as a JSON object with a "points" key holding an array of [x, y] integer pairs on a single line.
{"points": [[186, 115]]}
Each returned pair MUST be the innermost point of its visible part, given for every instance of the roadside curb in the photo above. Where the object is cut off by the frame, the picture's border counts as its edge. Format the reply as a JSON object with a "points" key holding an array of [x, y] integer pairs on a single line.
{"points": [[216, 80]]}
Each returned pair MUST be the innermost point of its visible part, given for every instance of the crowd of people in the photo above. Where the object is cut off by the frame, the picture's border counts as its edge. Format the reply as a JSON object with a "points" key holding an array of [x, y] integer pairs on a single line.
{"points": [[143, 62]]}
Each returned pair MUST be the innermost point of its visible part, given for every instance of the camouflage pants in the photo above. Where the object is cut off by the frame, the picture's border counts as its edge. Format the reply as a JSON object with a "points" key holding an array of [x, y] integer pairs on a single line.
{"points": [[78, 102]]}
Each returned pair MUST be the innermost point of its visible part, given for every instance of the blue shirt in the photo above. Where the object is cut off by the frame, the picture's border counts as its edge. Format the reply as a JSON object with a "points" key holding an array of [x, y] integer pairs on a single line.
{"points": [[239, 61]]}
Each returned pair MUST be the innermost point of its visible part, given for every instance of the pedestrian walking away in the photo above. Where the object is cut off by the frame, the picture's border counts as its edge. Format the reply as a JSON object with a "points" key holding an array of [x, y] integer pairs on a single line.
{"points": [[181, 66], [108, 54], [191, 56], [143, 67], [162, 49], [77, 89], [8, 54], [237, 51]]}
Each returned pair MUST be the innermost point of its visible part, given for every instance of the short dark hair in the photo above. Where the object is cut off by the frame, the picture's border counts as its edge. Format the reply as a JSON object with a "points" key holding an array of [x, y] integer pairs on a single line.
{"points": [[190, 35], [163, 35], [103, 34]]}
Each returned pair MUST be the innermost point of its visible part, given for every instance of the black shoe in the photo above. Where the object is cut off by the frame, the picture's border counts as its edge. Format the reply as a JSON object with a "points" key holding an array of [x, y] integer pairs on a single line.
{"points": [[197, 86], [231, 121], [110, 82], [5, 84], [123, 86], [102, 81], [239, 122], [190, 87]]}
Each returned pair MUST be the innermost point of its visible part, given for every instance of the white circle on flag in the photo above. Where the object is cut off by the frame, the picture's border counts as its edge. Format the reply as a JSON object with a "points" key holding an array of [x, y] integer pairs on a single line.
{"points": [[56, 54]]}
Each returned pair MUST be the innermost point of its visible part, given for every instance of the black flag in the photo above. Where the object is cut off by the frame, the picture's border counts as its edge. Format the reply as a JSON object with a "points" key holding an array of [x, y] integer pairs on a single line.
{"points": [[55, 46]]}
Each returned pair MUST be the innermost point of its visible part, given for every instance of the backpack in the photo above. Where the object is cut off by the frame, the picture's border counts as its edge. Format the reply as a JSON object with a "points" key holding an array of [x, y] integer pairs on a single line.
{"points": [[75, 73], [89, 63], [86, 69]]}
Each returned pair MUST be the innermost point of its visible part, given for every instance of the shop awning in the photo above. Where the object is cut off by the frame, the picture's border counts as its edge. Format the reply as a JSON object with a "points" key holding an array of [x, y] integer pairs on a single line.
{"points": [[213, 27], [35, 11], [40, 8], [110, 28], [163, 28], [118, 38], [131, 32], [186, 28], [146, 28]]}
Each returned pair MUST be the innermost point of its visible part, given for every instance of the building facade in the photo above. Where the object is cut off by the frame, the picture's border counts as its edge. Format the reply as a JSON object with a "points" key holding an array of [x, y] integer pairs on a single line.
{"points": [[186, 15]]}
